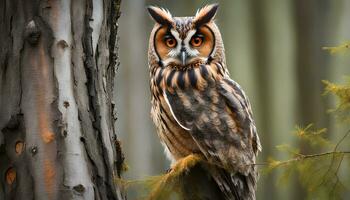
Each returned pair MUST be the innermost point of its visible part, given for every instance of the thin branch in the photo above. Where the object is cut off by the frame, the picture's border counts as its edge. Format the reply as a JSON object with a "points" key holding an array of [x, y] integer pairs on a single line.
{"points": [[303, 157], [336, 175], [333, 157], [334, 152], [341, 140], [260, 164]]}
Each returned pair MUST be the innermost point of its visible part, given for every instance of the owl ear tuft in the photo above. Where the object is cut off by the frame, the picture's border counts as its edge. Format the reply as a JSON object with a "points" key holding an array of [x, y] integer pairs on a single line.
{"points": [[160, 15], [205, 14]]}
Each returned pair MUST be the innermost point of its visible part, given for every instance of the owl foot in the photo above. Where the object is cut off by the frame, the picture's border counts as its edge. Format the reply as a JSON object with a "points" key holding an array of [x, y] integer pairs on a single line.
{"points": [[184, 164], [166, 183]]}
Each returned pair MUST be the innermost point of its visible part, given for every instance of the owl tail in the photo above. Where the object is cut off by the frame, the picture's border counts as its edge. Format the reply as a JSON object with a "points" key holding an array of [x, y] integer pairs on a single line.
{"points": [[235, 186]]}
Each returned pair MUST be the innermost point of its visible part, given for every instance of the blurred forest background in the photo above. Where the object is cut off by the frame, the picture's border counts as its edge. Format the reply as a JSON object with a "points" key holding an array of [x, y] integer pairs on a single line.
{"points": [[273, 49]]}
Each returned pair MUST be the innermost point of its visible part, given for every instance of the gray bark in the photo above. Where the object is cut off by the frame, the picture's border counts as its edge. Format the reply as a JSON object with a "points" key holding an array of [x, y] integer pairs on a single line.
{"points": [[57, 65]]}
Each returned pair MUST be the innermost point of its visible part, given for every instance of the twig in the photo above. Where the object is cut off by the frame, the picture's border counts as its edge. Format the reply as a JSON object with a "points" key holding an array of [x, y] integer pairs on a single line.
{"points": [[336, 175], [310, 156], [302, 157], [333, 157], [341, 140]]}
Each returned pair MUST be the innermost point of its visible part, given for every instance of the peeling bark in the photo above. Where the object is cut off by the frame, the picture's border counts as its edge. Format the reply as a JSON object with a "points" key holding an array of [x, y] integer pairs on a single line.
{"points": [[57, 65]]}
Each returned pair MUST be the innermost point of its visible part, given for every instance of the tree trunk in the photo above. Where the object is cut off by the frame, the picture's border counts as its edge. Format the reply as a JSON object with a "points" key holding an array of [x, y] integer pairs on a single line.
{"points": [[57, 65]]}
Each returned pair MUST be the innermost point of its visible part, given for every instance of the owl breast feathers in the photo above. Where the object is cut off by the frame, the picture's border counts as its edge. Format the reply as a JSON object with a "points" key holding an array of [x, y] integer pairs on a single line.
{"points": [[196, 107]]}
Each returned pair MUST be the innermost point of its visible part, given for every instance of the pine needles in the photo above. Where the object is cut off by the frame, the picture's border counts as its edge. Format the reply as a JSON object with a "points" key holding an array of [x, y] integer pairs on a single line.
{"points": [[319, 172]]}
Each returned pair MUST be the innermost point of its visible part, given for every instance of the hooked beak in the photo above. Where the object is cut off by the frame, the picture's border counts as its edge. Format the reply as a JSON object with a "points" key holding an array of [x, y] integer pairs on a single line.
{"points": [[183, 57]]}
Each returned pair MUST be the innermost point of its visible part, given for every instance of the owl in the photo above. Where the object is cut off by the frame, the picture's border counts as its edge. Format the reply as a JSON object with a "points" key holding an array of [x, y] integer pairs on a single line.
{"points": [[196, 107]]}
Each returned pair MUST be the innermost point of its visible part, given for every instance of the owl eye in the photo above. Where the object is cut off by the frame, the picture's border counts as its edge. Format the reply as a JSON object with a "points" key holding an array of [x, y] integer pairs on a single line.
{"points": [[197, 40], [170, 41]]}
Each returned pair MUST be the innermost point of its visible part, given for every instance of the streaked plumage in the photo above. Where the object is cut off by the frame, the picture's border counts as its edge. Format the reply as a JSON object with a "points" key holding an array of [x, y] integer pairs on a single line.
{"points": [[196, 107]]}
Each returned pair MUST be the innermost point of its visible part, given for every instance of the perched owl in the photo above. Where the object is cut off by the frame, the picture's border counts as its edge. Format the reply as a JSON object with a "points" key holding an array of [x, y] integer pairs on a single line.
{"points": [[196, 107]]}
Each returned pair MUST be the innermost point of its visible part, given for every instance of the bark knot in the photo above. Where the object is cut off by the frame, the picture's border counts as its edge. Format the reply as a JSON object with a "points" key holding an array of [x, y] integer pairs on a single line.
{"points": [[19, 147], [62, 44], [32, 33], [34, 150], [10, 175], [79, 188]]}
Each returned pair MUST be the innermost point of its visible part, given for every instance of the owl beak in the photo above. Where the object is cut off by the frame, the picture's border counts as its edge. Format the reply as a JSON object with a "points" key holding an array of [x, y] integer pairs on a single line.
{"points": [[183, 58]]}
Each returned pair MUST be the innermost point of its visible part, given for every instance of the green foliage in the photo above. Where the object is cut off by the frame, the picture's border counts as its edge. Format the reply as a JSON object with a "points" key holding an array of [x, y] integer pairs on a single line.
{"points": [[318, 173], [315, 137], [342, 92]]}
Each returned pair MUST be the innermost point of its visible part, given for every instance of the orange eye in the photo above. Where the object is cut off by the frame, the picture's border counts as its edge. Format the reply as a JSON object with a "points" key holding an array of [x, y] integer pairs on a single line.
{"points": [[196, 41], [170, 42]]}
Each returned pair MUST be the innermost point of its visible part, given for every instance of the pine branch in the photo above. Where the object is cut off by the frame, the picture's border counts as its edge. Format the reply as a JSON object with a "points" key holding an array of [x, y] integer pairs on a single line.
{"points": [[302, 157]]}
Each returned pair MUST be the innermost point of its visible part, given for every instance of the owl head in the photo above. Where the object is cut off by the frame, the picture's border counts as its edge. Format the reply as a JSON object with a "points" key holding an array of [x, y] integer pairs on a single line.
{"points": [[183, 42]]}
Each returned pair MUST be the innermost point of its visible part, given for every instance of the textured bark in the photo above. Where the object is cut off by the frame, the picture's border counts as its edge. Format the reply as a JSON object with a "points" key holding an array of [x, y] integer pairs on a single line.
{"points": [[57, 65]]}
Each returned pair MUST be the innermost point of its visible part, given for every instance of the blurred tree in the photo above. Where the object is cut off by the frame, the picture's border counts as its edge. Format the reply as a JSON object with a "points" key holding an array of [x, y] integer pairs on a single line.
{"points": [[262, 73], [310, 66], [143, 152], [57, 65]]}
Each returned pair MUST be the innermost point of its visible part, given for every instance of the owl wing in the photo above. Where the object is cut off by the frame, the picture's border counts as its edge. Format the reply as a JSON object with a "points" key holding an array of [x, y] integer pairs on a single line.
{"points": [[220, 121]]}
